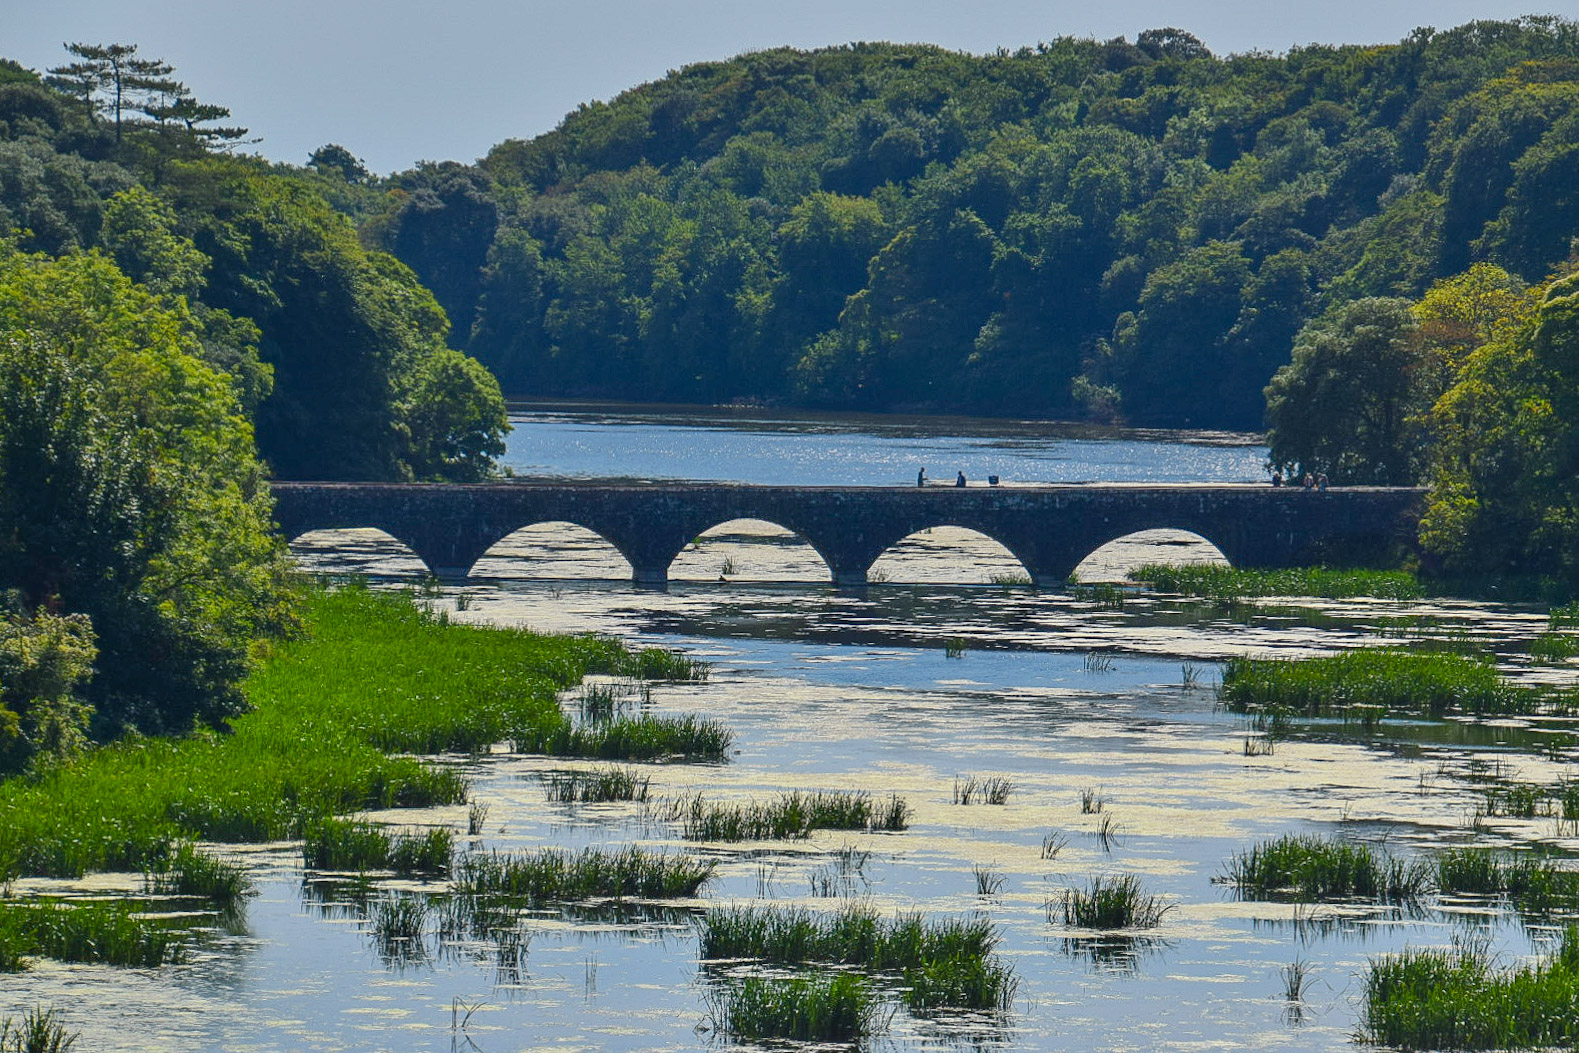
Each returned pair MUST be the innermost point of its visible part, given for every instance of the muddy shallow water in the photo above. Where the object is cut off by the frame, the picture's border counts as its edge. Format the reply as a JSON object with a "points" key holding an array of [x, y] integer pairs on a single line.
{"points": [[827, 690]]}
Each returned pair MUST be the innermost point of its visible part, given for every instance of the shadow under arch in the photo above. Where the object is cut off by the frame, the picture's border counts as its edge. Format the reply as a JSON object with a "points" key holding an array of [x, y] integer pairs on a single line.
{"points": [[554, 549], [750, 550], [365, 551], [946, 554], [1114, 560]]}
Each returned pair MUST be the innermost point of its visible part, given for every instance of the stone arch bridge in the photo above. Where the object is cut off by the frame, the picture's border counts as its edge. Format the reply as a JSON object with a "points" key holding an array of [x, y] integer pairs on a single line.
{"points": [[1050, 529]]}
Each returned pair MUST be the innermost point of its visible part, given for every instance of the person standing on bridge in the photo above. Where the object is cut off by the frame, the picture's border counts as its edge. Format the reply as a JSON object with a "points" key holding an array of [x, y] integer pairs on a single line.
{"points": [[959, 479], [921, 476]]}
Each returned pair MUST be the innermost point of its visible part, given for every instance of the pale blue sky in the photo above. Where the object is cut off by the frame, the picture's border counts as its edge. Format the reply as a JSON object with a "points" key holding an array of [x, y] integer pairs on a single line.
{"points": [[396, 81]]}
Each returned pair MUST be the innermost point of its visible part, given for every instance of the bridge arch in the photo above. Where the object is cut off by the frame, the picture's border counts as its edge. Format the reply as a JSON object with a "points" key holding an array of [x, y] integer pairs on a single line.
{"points": [[356, 550], [750, 549], [553, 549], [951, 554], [1113, 560]]}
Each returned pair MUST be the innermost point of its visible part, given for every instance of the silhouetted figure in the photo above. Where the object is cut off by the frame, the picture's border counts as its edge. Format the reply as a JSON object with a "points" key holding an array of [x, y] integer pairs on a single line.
{"points": [[959, 480], [921, 477], [1309, 482], [992, 480], [1321, 480], [1277, 478]]}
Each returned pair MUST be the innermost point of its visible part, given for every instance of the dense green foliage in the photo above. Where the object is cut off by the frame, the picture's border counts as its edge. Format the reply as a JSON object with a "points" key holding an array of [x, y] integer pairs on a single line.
{"points": [[1374, 682], [1305, 867], [338, 351], [374, 674], [131, 502], [1073, 228], [1227, 583]]}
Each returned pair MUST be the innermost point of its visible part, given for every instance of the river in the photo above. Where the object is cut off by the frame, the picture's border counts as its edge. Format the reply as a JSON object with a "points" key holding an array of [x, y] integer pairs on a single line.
{"points": [[933, 675]]}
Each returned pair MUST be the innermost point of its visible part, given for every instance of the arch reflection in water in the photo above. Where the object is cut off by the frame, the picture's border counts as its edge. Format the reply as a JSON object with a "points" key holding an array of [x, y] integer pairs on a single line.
{"points": [[750, 550], [947, 555], [553, 550], [1114, 560], [356, 551]]}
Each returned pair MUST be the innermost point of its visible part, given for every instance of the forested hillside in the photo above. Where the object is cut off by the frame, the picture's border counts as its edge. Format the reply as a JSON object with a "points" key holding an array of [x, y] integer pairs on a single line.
{"points": [[1075, 229]]}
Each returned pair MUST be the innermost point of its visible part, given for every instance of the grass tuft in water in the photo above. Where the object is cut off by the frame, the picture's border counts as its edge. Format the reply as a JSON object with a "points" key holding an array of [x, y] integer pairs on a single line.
{"points": [[186, 871], [642, 738], [954, 648], [39, 1031], [789, 816], [1091, 800], [1222, 583], [1462, 999], [1532, 883], [1389, 680], [356, 844], [106, 933], [832, 1008], [596, 786], [1306, 867], [960, 983], [855, 935], [993, 789], [553, 874], [988, 882], [1113, 903]]}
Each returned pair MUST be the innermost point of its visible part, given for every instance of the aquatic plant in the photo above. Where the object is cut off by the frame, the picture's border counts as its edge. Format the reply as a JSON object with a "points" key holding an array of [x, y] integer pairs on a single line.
{"points": [[988, 882], [186, 871], [1104, 594], [1011, 579], [1391, 680], [1554, 647], [1534, 884], [788, 816], [837, 1007], [1260, 746], [1113, 903], [954, 648], [39, 1031], [643, 738], [398, 924], [1096, 662], [993, 789], [651, 663], [554, 874], [109, 933], [1460, 998], [1307, 867], [1091, 800], [1107, 832], [854, 935], [1053, 843], [970, 982], [356, 844], [1222, 583], [597, 785], [476, 817]]}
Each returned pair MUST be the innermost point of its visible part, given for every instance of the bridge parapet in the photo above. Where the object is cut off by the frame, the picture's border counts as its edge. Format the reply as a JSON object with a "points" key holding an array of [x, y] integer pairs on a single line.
{"points": [[1050, 529]]}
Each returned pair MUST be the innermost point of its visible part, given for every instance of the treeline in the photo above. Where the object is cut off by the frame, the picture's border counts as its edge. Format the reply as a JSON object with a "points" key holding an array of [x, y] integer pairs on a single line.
{"points": [[1083, 228], [338, 353]]}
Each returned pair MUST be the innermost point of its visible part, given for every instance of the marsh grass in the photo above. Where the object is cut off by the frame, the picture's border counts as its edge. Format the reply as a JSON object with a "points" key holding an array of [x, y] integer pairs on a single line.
{"points": [[1461, 998], [838, 1007], [642, 738], [553, 874], [596, 786], [186, 871], [356, 844], [1096, 662], [994, 789], [372, 675], [39, 1031], [1107, 832], [1389, 680], [651, 663], [1224, 583], [988, 882], [1113, 903], [1103, 594], [855, 935], [789, 816], [954, 648], [1011, 579], [476, 818], [106, 933], [1554, 647], [1091, 800], [399, 926], [1053, 843], [1260, 746], [1306, 867], [1534, 884], [960, 983]]}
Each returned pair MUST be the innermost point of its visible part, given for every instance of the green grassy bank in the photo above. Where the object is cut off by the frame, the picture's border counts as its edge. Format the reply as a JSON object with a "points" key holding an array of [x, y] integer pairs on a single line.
{"points": [[373, 675]]}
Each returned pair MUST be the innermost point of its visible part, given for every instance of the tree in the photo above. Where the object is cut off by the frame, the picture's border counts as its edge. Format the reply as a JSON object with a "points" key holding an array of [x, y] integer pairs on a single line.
{"points": [[45, 659], [334, 159], [457, 419], [114, 71], [130, 494], [1352, 400]]}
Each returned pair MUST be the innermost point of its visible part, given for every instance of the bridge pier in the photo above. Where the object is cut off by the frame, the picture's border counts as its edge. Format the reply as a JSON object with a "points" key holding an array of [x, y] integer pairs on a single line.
{"points": [[650, 577]]}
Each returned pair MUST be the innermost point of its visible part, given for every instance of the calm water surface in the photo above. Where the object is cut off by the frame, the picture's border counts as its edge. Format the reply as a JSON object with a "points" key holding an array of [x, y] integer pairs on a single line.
{"points": [[1062, 695]]}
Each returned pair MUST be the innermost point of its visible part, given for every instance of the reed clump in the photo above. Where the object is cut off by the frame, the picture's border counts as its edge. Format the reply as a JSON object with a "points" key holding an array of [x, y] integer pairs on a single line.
{"points": [[597, 786], [186, 871], [554, 874], [1373, 682], [1307, 867], [839, 1007], [960, 983], [856, 935], [992, 789], [1461, 998], [1113, 903], [40, 1030], [641, 738], [1225, 583], [356, 844], [1533, 884], [104, 933], [789, 816]]}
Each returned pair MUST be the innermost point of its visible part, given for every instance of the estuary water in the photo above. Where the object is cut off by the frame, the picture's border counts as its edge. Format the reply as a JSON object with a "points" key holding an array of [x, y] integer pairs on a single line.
{"points": [[1097, 706]]}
